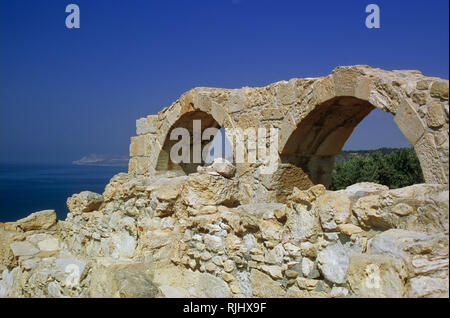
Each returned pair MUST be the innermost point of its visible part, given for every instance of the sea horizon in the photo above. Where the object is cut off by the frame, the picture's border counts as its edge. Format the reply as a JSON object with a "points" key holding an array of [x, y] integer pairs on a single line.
{"points": [[26, 188]]}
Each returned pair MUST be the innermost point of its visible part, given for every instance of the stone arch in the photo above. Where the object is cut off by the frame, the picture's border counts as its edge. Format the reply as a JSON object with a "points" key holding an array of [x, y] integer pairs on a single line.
{"points": [[339, 102], [311, 147], [150, 149], [187, 120], [331, 105]]}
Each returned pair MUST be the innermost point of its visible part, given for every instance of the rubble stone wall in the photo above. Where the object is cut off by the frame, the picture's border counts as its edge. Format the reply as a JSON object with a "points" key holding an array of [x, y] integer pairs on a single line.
{"points": [[188, 236]]}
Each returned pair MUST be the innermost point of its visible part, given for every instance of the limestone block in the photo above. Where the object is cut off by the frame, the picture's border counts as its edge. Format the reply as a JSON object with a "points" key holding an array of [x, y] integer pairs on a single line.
{"points": [[125, 281], [236, 101], [345, 80], [286, 92], [220, 115], [334, 208], [38, 220], [143, 166], [23, 248], [206, 189], [324, 90], [303, 223], [435, 115], [349, 229], [429, 287], [264, 286], [48, 247], [203, 101], [371, 212], [439, 89], [334, 260], [132, 165], [138, 145], [86, 201], [363, 88], [409, 122], [426, 151], [377, 276], [420, 98]]}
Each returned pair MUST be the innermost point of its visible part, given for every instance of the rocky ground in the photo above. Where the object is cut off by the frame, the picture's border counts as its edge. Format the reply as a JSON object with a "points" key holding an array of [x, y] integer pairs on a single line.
{"points": [[189, 236]]}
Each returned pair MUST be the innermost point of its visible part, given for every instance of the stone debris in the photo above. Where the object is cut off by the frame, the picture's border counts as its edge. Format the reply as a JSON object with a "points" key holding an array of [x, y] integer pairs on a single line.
{"points": [[212, 250]]}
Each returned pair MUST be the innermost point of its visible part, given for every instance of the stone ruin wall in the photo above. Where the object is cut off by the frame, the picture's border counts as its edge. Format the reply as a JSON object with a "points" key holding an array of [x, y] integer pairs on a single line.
{"points": [[315, 117], [225, 231]]}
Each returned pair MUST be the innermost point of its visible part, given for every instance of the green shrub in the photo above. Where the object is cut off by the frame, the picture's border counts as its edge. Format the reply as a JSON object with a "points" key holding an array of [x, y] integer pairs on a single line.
{"points": [[397, 168]]}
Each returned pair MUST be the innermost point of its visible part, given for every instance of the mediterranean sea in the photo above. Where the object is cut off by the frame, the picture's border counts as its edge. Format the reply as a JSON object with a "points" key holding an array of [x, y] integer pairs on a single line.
{"points": [[25, 189]]}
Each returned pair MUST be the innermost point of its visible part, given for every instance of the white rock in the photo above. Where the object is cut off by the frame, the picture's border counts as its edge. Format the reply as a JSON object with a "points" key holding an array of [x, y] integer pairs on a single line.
{"points": [[334, 260], [339, 292], [424, 286], [307, 266], [223, 167], [48, 247], [213, 243], [23, 248]]}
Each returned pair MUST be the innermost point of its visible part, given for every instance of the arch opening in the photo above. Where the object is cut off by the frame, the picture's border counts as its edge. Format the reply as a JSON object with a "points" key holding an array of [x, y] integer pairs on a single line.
{"points": [[309, 154], [187, 121]]}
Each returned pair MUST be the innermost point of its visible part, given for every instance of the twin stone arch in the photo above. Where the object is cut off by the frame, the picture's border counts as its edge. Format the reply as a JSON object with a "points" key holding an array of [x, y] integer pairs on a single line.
{"points": [[314, 117]]}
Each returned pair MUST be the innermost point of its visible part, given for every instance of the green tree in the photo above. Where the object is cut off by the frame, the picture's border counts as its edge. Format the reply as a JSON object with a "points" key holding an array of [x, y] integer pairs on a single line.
{"points": [[398, 168]]}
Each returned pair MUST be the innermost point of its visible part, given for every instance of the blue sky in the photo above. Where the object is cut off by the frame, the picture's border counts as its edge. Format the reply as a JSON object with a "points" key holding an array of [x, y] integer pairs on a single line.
{"points": [[68, 93]]}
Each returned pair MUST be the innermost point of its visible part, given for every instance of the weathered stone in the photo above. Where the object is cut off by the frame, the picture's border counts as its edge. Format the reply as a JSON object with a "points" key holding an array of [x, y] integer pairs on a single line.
{"points": [[334, 259], [409, 122], [213, 243], [210, 267], [273, 270], [125, 281], [228, 277], [291, 274], [213, 286], [377, 276], [48, 247], [402, 209], [349, 229], [235, 288], [439, 89], [426, 151], [303, 223], [334, 209], [205, 189], [371, 212], [419, 98], [264, 286], [228, 266], [425, 286], [223, 167], [38, 220], [436, 116], [309, 268], [85, 201], [23, 248], [339, 292], [271, 230], [308, 284]]}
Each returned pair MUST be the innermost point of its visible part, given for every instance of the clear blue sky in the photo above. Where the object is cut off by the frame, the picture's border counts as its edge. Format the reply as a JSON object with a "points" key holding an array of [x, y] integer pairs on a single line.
{"points": [[68, 93]]}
